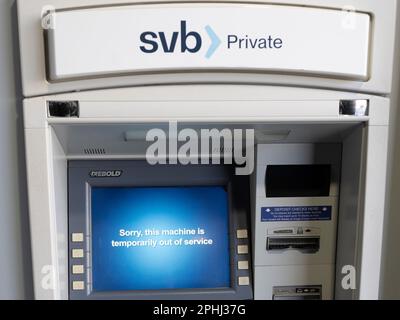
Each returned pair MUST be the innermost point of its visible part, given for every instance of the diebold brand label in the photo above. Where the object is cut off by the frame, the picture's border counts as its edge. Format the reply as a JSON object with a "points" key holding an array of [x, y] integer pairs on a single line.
{"points": [[106, 174]]}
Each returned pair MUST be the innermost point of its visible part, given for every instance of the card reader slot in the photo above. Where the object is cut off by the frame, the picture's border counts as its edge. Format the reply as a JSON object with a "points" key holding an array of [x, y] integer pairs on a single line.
{"points": [[308, 244]]}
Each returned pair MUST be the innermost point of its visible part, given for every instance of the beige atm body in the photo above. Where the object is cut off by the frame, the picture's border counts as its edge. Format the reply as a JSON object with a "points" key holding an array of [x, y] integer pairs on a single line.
{"points": [[297, 206], [322, 119]]}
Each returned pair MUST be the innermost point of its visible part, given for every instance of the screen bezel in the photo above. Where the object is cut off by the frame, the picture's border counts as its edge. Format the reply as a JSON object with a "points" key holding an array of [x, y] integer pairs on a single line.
{"points": [[141, 174]]}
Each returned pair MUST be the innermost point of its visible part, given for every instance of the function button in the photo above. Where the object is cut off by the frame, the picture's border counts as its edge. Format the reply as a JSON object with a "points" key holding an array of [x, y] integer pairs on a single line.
{"points": [[243, 265], [77, 253], [78, 269], [78, 285], [242, 234], [244, 281], [243, 249], [77, 237]]}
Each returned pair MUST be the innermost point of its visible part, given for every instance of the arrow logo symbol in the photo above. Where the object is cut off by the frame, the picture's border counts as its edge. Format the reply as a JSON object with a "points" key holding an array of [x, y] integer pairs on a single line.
{"points": [[215, 42]]}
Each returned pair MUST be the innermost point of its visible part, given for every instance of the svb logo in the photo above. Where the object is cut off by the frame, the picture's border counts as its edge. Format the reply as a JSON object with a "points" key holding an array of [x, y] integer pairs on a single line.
{"points": [[189, 41]]}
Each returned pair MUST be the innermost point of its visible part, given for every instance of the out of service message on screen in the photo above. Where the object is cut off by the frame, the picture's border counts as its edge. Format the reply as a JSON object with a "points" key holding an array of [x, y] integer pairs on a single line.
{"points": [[157, 238], [161, 238]]}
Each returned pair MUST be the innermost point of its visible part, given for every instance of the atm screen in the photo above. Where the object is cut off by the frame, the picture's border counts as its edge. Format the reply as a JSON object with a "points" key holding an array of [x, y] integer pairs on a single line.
{"points": [[159, 238]]}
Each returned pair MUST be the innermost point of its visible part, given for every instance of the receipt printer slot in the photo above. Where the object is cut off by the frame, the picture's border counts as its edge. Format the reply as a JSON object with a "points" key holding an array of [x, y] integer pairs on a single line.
{"points": [[304, 244], [304, 239]]}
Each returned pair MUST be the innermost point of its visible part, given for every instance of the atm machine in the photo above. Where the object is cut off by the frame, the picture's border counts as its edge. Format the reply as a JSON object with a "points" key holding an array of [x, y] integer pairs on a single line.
{"points": [[299, 89]]}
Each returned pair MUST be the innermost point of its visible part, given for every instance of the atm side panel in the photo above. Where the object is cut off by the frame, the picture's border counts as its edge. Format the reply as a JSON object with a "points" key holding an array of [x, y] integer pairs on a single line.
{"points": [[295, 224]]}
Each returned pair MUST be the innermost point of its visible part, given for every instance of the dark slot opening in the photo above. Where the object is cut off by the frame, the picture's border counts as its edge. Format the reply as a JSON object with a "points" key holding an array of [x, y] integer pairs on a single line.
{"points": [[298, 243], [298, 181], [63, 109]]}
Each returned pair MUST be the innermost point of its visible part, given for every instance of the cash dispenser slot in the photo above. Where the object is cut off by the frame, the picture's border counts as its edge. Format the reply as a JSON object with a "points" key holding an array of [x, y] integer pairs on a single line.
{"points": [[297, 293]]}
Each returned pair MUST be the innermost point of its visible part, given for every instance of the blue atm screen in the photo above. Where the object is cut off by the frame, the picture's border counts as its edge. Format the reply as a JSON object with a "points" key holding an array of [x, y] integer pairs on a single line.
{"points": [[159, 238]]}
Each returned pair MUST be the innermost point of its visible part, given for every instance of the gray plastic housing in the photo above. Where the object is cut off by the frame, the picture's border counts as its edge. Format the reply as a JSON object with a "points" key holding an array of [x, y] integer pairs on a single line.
{"points": [[141, 174]]}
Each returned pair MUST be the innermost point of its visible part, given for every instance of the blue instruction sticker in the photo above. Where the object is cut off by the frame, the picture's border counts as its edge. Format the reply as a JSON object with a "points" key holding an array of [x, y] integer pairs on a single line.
{"points": [[311, 213]]}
